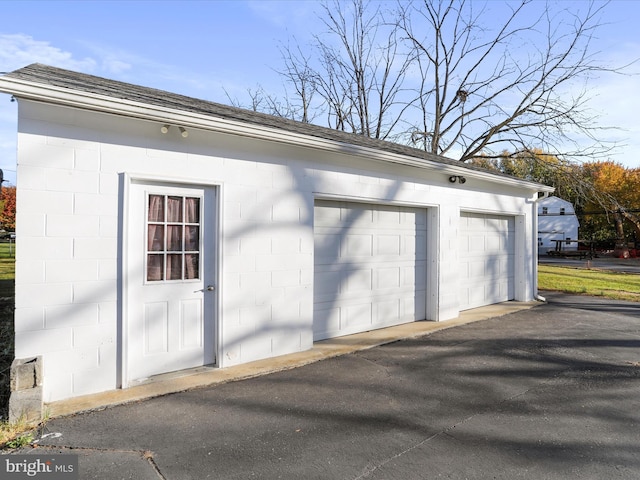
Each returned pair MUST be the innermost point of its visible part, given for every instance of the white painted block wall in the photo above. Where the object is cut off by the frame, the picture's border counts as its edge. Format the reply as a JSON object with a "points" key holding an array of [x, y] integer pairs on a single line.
{"points": [[70, 174]]}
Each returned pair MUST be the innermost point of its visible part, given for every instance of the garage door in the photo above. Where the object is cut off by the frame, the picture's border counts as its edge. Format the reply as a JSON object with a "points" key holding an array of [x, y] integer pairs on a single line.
{"points": [[370, 267], [487, 258]]}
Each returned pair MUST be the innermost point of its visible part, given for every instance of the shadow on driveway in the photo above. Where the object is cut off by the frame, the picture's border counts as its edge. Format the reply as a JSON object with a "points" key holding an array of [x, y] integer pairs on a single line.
{"points": [[552, 392]]}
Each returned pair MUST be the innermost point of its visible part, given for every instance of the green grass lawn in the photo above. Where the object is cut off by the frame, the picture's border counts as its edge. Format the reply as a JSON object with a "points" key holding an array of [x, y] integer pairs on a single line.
{"points": [[615, 285], [7, 269]]}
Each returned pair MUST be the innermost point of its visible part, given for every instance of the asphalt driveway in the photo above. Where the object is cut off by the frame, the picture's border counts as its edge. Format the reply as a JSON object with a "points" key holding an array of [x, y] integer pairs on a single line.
{"points": [[547, 393]]}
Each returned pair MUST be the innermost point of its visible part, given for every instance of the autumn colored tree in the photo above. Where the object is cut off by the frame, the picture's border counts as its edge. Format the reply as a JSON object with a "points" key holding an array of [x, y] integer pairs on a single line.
{"points": [[618, 200], [606, 194], [8, 205], [536, 166]]}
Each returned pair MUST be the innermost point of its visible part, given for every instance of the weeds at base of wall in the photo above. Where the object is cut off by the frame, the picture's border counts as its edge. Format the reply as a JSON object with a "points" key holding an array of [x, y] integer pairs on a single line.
{"points": [[21, 440], [15, 435], [21, 433]]}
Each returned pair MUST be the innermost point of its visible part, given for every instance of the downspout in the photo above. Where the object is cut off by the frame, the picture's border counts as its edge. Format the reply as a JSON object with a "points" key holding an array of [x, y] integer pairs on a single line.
{"points": [[537, 296]]}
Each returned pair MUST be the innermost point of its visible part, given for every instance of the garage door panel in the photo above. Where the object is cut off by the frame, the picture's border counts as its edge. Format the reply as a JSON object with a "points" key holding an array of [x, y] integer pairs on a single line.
{"points": [[415, 276], [475, 269], [368, 267], [494, 244], [357, 315], [359, 281], [387, 278], [386, 217], [326, 319], [327, 281], [388, 311], [412, 309], [357, 245], [388, 245], [476, 244], [325, 244]]}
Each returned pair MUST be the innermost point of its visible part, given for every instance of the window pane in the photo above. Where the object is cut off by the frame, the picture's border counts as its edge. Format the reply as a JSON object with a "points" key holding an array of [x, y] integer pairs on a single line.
{"points": [[156, 208], [192, 210], [174, 238], [192, 266], [174, 267], [155, 267], [155, 238], [192, 239], [173, 228], [174, 209]]}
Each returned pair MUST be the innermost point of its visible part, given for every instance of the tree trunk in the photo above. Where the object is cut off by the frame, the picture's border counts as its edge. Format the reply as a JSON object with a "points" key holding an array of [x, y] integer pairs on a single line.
{"points": [[621, 250], [635, 221]]}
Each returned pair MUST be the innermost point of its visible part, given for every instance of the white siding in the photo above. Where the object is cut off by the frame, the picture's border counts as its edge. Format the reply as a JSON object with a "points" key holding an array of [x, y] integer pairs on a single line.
{"points": [[556, 221], [71, 167]]}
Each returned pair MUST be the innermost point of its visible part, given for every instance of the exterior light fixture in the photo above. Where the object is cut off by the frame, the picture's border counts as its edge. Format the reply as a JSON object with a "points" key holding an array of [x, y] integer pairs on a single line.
{"points": [[457, 178], [183, 131]]}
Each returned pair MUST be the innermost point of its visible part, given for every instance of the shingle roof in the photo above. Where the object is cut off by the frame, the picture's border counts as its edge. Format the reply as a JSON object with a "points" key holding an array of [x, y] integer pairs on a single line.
{"points": [[53, 76]]}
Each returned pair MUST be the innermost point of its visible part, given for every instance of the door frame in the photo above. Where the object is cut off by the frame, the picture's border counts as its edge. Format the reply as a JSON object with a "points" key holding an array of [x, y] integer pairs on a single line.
{"points": [[433, 239], [126, 181]]}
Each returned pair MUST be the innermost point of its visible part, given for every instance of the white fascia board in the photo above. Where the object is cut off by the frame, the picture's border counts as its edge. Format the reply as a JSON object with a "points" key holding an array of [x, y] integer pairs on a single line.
{"points": [[116, 106]]}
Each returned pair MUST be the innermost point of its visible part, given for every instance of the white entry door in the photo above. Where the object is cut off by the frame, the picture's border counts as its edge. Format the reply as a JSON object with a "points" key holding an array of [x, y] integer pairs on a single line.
{"points": [[171, 272]]}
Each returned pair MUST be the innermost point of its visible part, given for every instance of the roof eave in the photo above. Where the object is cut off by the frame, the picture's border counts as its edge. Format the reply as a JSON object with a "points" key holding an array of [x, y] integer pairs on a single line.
{"points": [[106, 104]]}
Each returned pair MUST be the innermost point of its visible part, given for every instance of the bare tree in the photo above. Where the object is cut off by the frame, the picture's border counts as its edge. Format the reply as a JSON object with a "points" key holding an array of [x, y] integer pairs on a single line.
{"points": [[261, 101], [459, 78], [298, 73], [495, 83], [357, 68]]}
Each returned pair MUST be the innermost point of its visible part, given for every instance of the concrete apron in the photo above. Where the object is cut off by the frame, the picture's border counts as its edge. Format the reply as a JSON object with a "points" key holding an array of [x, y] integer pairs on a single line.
{"points": [[208, 376]]}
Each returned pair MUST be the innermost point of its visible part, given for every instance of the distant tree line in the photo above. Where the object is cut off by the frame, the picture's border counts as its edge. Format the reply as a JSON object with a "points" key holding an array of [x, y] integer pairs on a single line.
{"points": [[8, 208], [605, 194]]}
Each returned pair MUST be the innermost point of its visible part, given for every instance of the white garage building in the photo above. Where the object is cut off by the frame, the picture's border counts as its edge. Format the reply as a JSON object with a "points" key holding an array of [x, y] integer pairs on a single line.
{"points": [[159, 232]]}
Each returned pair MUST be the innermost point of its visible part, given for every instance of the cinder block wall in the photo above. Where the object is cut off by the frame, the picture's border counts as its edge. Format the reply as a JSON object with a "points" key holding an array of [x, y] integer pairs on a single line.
{"points": [[70, 166]]}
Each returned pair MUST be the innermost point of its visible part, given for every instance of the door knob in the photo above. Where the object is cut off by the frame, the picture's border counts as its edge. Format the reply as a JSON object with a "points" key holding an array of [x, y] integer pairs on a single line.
{"points": [[210, 288]]}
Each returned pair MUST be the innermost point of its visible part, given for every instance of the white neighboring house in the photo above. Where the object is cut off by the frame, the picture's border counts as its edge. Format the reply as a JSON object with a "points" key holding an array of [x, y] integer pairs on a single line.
{"points": [[160, 232], [557, 220]]}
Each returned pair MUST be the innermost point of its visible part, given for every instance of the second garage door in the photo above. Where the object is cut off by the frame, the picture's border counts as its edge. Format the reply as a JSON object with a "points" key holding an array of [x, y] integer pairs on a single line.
{"points": [[487, 259], [370, 267]]}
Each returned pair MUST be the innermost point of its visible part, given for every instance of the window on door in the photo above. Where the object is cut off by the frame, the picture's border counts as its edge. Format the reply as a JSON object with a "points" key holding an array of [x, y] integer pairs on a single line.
{"points": [[173, 238]]}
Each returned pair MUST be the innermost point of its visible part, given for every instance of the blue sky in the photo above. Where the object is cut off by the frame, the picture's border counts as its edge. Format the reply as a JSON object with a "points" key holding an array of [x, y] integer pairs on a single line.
{"points": [[204, 48]]}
